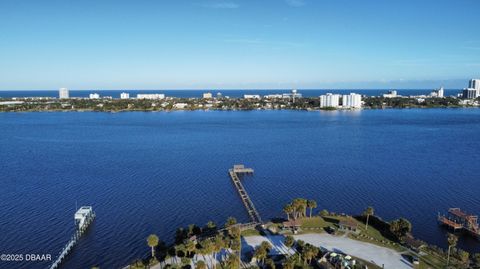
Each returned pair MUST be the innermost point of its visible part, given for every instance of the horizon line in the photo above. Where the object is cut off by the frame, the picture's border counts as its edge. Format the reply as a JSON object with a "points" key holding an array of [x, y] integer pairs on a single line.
{"points": [[239, 89]]}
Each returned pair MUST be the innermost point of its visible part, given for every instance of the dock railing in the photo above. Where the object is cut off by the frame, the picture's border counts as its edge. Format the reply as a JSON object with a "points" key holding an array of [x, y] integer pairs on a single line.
{"points": [[247, 202], [73, 241]]}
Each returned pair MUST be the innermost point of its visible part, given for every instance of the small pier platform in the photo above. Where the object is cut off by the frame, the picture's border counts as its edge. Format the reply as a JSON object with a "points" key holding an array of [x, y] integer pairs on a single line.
{"points": [[247, 202], [83, 218], [458, 220], [240, 168]]}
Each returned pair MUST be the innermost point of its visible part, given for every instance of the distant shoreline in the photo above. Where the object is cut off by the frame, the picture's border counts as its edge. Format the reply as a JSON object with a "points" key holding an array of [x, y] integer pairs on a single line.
{"points": [[236, 110], [284, 101]]}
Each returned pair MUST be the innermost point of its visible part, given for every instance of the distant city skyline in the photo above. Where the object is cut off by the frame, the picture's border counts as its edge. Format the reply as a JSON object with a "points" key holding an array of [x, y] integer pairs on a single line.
{"points": [[229, 44]]}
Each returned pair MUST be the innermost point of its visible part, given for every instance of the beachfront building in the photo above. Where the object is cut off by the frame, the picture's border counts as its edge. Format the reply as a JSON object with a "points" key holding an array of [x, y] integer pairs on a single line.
{"points": [[251, 96], [437, 93], [94, 96], [207, 95], [124, 95], [274, 96], [329, 100], [63, 93], [151, 96], [470, 93], [474, 84], [473, 90], [352, 100], [293, 94], [390, 94]]}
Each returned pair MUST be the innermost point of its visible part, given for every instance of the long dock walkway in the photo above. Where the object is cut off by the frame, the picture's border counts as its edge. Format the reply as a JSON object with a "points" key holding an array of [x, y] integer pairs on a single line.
{"points": [[83, 218], [247, 202]]}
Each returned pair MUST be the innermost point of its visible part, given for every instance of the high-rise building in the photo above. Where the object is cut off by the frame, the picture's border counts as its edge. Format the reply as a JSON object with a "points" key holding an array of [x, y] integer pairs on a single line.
{"points": [[473, 90], [437, 93], [329, 100], [440, 92], [470, 93], [63, 93], [474, 84], [352, 100], [124, 95]]}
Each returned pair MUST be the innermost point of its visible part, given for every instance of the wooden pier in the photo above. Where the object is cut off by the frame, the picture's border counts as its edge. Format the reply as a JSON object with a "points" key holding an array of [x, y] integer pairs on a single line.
{"points": [[83, 218], [458, 220], [247, 202]]}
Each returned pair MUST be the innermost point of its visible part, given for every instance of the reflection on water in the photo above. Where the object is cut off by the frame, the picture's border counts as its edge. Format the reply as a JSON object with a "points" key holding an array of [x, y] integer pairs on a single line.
{"points": [[152, 172]]}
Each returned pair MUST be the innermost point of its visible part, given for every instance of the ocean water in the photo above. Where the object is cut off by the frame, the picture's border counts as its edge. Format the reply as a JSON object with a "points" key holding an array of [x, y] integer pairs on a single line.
{"points": [[153, 172], [198, 93]]}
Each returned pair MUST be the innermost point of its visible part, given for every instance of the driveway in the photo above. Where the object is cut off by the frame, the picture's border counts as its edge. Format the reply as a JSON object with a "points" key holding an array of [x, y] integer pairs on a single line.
{"points": [[366, 251], [390, 258]]}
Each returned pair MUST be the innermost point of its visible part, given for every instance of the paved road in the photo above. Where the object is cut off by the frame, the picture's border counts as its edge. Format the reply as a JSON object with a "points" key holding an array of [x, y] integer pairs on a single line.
{"points": [[366, 251]]}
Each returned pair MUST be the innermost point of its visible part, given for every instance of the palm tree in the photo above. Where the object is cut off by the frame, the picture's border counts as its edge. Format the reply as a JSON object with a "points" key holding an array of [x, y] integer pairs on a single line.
{"points": [[180, 249], [302, 207], [152, 242], [269, 264], [289, 241], [190, 247], [230, 221], [260, 254], [288, 264], [233, 261], [309, 252], [400, 227], [236, 246], [300, 245], [295, 205], [324, 213], [211, 225], [288, 209], [201, 250], [200, 265], [266, 245], [235, 232], [311, 204], [368, 212], [207, 246], [452, 242], [306, 253], [217, 246]]}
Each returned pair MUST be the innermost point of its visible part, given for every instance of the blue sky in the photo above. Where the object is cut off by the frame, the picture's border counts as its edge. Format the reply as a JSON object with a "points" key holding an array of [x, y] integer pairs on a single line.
{"points": [[100, 44]]}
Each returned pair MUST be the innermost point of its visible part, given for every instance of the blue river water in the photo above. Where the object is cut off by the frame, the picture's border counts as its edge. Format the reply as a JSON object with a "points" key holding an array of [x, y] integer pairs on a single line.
{"points": [[155, 171]]}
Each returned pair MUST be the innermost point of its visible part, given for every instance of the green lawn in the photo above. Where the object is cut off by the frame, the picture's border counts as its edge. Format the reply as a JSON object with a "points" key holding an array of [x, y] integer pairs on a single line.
{"points": [[431, 260], [370, 235], [314, 223], [250, 232]]}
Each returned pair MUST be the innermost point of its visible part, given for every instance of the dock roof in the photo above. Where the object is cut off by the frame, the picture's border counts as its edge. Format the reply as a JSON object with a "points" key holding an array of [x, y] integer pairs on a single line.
{"points": [[459, 213]]}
